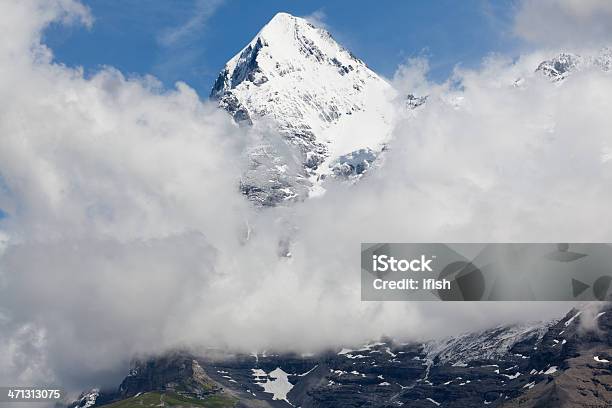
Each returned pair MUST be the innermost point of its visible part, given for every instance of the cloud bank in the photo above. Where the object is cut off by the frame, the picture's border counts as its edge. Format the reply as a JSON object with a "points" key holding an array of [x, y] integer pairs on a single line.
{"points": [[125, 231]]}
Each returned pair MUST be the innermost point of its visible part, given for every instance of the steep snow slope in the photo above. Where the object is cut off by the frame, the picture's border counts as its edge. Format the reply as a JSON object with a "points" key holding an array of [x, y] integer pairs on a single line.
{"points": [[489, 344], [333, 112]]}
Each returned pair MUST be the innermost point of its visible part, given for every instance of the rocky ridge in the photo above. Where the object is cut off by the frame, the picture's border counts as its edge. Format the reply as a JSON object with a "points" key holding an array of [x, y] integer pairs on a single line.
{"points": [[564, 363]]}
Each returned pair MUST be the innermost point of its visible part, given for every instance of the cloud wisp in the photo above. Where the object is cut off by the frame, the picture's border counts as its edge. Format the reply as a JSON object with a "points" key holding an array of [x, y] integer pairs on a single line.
{"points": [[203, 10], [317, 18]]}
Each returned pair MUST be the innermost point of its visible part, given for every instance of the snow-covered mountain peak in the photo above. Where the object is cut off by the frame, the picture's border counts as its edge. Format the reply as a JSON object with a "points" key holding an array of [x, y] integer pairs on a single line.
{"points": [[288, 39], [322, 101], [285, 46]]}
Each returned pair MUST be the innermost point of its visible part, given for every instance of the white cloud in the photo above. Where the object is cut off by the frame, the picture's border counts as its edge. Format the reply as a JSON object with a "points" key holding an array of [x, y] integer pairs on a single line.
{"points": [[93, 172], [317, 18], [20, 32], [565, 23]]}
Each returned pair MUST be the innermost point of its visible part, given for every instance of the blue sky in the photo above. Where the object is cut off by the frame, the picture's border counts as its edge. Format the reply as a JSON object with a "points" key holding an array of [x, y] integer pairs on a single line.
{"points": [[190, 40]]}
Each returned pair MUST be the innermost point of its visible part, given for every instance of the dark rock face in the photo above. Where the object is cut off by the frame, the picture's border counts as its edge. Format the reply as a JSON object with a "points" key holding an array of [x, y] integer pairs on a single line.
{"points": [[177, 373], [233, 106], [558, 67], [353, 164], [567, 363], [413, 102], [579, 346], [246, 70], [89, 398]]}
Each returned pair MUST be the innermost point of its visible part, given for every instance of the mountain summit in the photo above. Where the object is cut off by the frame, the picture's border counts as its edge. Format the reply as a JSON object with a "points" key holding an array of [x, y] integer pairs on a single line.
{"points": [[323, 111]]}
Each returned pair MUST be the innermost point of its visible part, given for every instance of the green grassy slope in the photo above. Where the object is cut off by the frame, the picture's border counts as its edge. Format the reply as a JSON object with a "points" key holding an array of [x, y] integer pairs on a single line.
{"points": [[156, 399]]}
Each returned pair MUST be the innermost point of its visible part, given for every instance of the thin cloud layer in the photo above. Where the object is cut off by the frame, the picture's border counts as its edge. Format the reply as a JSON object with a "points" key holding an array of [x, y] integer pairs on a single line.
{"points": [[125, 231], [566, 23], [203, 10]]}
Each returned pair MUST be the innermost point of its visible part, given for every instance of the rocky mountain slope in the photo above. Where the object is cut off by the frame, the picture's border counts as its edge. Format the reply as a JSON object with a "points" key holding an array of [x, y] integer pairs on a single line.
{"points": [[559, 67], [320, 110], [564, 363], [317, 110]]}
